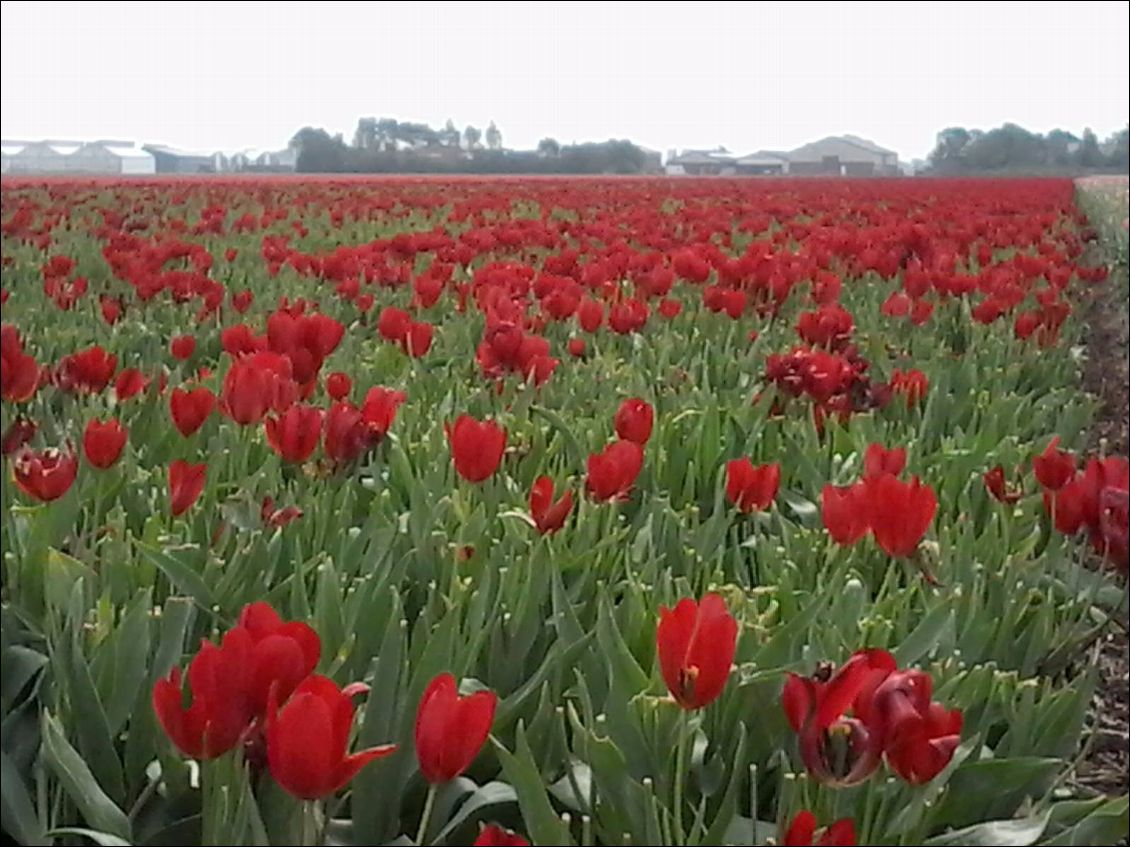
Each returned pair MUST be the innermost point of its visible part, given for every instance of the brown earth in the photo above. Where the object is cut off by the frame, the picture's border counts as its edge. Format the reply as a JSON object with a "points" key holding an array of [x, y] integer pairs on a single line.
{"points": [[1106, 768]]}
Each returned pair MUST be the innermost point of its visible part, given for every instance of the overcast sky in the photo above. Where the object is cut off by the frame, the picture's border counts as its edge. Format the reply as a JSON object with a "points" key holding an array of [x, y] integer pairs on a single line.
{"points": [[234, 75]]}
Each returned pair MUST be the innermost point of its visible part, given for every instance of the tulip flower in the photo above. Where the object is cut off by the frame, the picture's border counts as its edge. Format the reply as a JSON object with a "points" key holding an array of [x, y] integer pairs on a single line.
{"points": [[634, 420], [102, 443], [696, 644], [182, 347], [379, 409], [878, 460], [44, 475], [844, 512], [996, 486], [613, 472], [752, 488], [1054, 468], [451, 730], [493, 835], [186, 481], [338, 385], [308, 738], [190, 408], [294, 434], [549, 516], [476, 447], [802, 832], [899, 513]]}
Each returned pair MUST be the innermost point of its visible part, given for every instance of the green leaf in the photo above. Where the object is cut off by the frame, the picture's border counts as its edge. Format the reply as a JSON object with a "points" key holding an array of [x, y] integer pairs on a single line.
{"points": [[17, 811], [181, 575], [724, 815], [544, 824], [96, 807], [938, 623], [103, 838], [131, 654], [1012, 833], [491, 794]]}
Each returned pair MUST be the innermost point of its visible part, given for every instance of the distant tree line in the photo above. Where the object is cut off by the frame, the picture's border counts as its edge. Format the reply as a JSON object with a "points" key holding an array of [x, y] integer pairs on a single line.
{"points": [[385, 145], [1013, 149]]}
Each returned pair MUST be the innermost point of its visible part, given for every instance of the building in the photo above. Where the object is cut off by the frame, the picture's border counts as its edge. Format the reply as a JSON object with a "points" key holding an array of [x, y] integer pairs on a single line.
{"points": [[718, 162], [111, 157], [763, 162], [171, 161], [843, 155], [274, 161], [39, 157]]}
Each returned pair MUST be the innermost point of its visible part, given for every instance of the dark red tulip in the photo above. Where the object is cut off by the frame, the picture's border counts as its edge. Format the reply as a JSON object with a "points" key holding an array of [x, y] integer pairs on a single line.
{"points": [[752, 488], [348, 437], [283, 653], [493, 835], [476, 447], [89, 370], [19, 433], [920, 736], [182, 347], [878, 460], [129, 383], [294, 434], [185, 484], [102, 443], [190, 408], [802, 832], [996, 486], [836, 749], [1054, 468], [338, 385], [308, 738], [379, 409], [844, 512], [696, 643], [450, 730], [899, 513], [613, 472], [549, 516], [44, 475], [634, 420]]}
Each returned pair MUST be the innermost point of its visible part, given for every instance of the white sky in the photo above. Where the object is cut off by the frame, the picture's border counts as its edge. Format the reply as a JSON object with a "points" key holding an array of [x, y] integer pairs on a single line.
{"points": [[228, 76]]}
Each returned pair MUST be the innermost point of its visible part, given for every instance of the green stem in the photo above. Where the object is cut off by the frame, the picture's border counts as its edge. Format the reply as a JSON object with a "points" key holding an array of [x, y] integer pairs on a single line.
{"points": [[680, 767], [426, 815], [311, 829]]}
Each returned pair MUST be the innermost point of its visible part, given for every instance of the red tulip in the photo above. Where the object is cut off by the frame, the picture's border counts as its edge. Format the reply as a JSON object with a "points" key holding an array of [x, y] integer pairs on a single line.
{"points": [[129, 383], [752, 488], [899, 513], [912, 384], [548, 516], [844, 512], [696, 643], [19, 372], [493, 835], [44, 475], [19, 433], [277, 518], [185, 484], [393, 324], [996, 486], [379, 409], [282, 654], [308, 739], [920, 736], [450, 730], [182, 347], [338, 385], [590, 315], [190, 408], [419, 339], [576, 347], [255, 384], [103, 442], [89, 370], [219, 713], [670, 308], [294, 434], [1054, 468], [347, 434], [634, 420], [802, 831], [836, 749], [613, 472], [476, 447], [878, 460]]}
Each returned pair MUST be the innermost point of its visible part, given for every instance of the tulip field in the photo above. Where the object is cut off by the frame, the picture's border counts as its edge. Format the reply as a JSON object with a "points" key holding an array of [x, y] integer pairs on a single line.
{"points": [[554, 511]]}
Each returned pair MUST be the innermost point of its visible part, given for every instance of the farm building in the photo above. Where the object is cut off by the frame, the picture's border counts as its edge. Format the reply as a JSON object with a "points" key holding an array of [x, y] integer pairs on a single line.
{"points": [[110, 157], [701, 163], [843, 155], [171, 161], [40, 157], [763, 162], [7, 150]]}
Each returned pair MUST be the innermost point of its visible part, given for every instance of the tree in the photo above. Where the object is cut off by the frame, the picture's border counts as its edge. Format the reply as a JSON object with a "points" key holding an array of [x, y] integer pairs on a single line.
{"points": [[365, 136], [1119, 146], [494, 137], [449, 135], [1089, 155], [471, 137], [549, 147], [949, 148], [1059, 145], [318, 152]]}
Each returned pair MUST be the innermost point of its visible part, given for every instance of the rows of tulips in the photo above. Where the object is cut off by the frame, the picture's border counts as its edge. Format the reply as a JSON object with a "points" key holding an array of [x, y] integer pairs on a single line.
{"points": [[557, 511]]}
